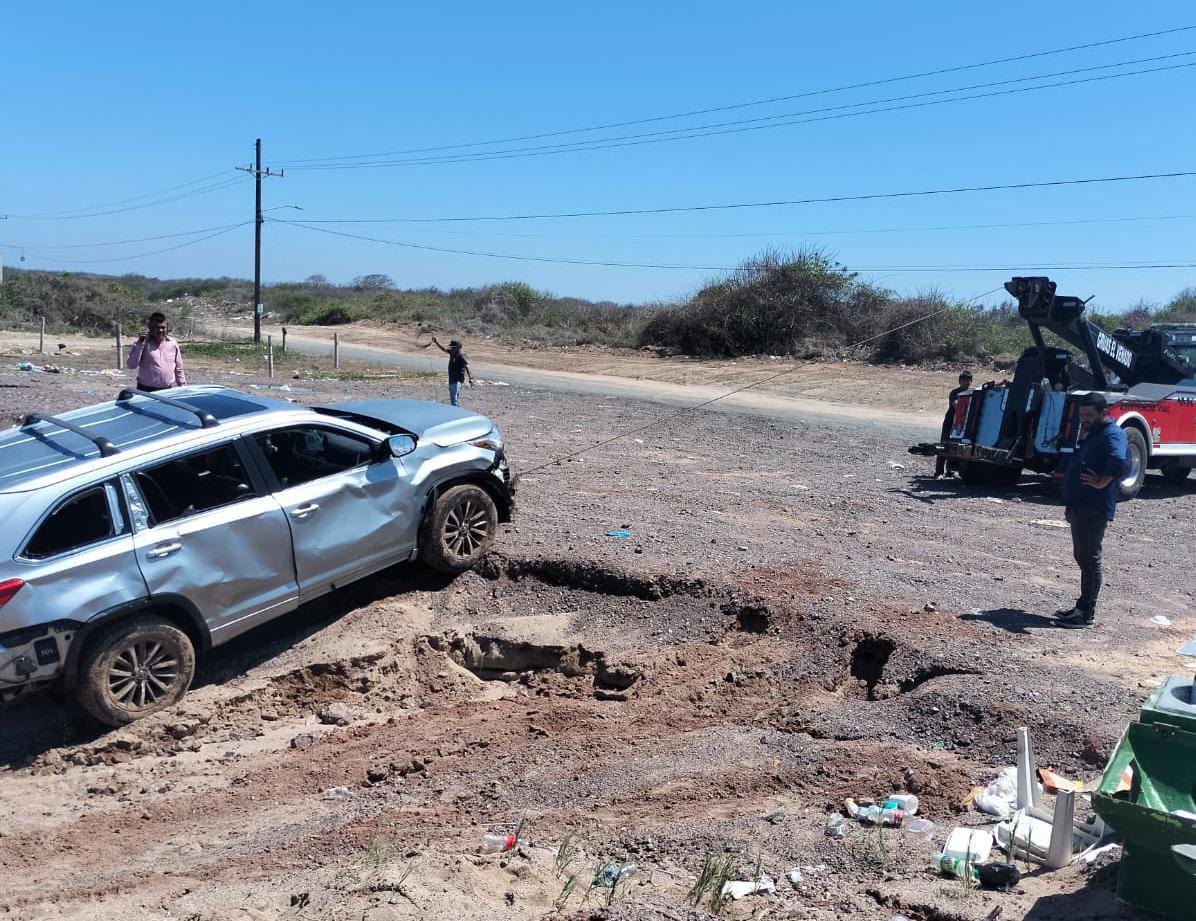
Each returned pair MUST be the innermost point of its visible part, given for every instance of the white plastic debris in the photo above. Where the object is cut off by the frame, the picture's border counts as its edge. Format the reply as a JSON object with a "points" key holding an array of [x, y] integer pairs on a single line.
{"points": [[738, 888], [1161, 620], [1000, 795], [893, 465], [1090, 857], [337, 793]]}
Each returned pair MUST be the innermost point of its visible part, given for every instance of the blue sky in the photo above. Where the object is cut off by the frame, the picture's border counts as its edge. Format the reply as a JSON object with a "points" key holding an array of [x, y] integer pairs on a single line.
{"points": [[106, 102]]}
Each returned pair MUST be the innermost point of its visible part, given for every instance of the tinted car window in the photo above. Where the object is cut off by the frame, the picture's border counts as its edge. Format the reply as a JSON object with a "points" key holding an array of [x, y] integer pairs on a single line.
{"points": [[80, 520], [307, 452], [195, 483]]}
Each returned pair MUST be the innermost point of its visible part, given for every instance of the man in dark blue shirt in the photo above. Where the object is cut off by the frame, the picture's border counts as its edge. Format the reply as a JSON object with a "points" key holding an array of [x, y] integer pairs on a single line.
{"points": [[1090, 489], [458, 369]]}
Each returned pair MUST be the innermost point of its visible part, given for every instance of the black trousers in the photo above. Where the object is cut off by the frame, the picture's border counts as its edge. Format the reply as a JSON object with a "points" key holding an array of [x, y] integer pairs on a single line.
{"points": [[1087, 539], [940, 464], [148, 389]]}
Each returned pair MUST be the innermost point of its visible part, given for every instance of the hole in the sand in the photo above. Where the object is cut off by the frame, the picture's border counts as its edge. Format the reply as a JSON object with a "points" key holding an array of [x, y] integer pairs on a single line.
{"points": [[869, 659], [588, 576], [883, 669], [494, 658], [750, 617]]}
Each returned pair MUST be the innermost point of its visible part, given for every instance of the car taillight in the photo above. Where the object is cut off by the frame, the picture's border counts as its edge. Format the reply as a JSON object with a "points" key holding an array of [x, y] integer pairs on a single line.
{"points": [[8, 588]]}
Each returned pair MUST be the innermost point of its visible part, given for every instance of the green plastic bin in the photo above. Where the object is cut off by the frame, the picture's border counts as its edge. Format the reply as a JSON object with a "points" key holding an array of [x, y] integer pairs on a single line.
{"points": [[1164, 761]]}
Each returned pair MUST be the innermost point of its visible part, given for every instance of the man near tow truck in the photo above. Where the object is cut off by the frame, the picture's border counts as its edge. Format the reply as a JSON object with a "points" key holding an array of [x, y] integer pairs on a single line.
{"points": [[941, 468], [1090, 497]]}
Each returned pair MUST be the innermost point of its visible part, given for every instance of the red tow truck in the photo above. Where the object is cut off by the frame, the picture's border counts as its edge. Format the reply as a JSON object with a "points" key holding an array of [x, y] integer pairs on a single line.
{"points": [[1031, 422]]}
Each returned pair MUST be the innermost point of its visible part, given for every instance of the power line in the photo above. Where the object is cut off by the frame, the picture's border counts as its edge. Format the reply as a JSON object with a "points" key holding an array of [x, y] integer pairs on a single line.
{"points": [[156, 252], [875, 196], [722, 396], [215, 187], [739, 127], [122, 201], [1020, 267], [758, 102], [162, 236], [800, 232], [469, 252]]}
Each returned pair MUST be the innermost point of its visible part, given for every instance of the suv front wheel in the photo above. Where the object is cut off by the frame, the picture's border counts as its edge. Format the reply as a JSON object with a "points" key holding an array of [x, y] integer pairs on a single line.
{"points": [[135, 668], [459, 529]]}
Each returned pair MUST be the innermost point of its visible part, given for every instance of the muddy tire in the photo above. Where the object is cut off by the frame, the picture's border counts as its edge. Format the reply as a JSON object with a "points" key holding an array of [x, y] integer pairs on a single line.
{"points": [[460, 529], [133, 669], [1138, 456]]}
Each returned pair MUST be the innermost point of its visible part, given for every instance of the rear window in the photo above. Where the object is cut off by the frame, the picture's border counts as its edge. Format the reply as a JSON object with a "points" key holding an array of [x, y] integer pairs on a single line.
{"points": [[81, 520]]}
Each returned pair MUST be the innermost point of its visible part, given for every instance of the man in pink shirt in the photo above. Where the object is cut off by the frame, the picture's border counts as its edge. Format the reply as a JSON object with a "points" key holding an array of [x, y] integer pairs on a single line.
{"points": [[156, 357]]}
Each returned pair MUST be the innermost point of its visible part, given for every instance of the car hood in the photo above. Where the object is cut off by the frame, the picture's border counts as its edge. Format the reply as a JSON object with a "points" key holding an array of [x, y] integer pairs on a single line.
{"points": [[442, 425]]}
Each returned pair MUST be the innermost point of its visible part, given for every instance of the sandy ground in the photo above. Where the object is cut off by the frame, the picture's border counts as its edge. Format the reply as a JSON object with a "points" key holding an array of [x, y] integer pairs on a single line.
{"points": [[798, 615]]}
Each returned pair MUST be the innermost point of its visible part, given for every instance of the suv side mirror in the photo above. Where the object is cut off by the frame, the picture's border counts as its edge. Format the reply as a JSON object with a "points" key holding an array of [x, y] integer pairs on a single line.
{"points": [[400, 445]]}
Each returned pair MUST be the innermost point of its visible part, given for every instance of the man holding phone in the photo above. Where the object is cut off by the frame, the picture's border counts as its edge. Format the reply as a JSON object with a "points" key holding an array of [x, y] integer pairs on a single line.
{"points": [[1090, 496], [156, 358]]}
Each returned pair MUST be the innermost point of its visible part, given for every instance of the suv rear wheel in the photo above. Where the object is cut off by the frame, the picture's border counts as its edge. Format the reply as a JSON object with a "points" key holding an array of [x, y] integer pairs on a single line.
{"points": [[135, 668], [459, 530]]}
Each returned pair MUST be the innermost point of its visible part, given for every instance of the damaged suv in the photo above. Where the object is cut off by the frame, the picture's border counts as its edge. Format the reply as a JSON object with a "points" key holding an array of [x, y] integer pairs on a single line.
{"points": [[140, 532]]}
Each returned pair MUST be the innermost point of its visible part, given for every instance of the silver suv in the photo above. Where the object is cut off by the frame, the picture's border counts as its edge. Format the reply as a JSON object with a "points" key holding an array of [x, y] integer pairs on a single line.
{"points": [[139, 532]]}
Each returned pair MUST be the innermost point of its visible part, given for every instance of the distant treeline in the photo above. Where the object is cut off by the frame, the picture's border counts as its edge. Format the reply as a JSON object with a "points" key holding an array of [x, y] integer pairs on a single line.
{"points": [[801, 304]]}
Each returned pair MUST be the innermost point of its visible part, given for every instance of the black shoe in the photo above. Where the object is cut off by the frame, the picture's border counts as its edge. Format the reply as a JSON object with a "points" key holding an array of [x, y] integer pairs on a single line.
{"points": [[1076, 619], [1068, 612]]}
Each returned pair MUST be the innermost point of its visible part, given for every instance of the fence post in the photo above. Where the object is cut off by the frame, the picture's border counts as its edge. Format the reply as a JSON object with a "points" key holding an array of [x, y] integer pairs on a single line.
{"points": [[336, 352], [284, 340], [119, 350], [270, 356], [41, 339]]}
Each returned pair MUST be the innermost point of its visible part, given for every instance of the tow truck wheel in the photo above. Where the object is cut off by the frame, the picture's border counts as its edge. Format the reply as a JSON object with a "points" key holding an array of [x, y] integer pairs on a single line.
{"points": [[1175, 472], [1137, 455]]}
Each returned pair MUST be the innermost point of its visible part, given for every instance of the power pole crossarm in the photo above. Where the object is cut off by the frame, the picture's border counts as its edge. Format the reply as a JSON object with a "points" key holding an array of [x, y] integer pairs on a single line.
{"points": [[258, 173]]}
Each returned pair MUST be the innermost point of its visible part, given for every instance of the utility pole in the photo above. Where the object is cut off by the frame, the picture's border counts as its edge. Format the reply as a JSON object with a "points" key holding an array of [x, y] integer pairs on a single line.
{"points": [[258, 173]]}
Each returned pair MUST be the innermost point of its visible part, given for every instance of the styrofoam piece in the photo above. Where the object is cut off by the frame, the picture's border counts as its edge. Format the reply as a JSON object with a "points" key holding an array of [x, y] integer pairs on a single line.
{"points": [[972, 845]]}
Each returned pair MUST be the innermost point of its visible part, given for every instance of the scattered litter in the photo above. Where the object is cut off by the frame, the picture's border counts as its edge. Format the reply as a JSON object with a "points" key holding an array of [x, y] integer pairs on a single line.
{"points": [[1161, 620], [337, 793], [999, 796], [1050, 523], [994, 499], [774, 816], [836, 825], [500, 844], [938, 746], [618, 533], [887, 814], [638, 441], [906, 802], [794, 876], [998, 875], [799, 486], [920, 826], [964, 850], [742, 548], [737, 889], [893, 465], [612, 874], [1054, 783], [26, 366], [52, 369], [1096, 853]]}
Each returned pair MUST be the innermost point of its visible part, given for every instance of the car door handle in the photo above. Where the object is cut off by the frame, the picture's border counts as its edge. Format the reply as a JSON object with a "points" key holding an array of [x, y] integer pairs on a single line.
{"points": [[302, 511], [158, 551]]}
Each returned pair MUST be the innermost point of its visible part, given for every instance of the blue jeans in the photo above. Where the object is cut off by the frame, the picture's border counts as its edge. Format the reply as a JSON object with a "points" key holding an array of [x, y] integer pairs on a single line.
{"points": [[455, 392]]}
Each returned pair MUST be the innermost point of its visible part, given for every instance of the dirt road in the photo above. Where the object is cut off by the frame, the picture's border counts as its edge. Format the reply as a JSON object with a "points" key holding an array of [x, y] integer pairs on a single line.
{"points": [[798, 615]]}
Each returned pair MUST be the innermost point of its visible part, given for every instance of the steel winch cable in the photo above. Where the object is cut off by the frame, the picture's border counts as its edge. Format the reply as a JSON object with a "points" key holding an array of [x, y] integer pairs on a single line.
{"points": [[722, 396]]}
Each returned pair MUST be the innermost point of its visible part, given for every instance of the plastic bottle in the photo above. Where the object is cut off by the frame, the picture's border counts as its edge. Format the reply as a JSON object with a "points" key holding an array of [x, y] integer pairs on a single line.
{"points": [[954, 866], [836, 825], [877, 815], [498, 844]]}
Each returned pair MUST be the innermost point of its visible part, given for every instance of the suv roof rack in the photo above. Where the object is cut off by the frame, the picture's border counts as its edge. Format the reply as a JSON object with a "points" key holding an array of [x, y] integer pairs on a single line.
{"points": [[206, 419], [107, 448]]}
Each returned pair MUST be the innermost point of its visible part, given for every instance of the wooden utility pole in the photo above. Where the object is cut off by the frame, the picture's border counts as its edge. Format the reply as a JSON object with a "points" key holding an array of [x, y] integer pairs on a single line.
{"points": [[258, 173]]}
